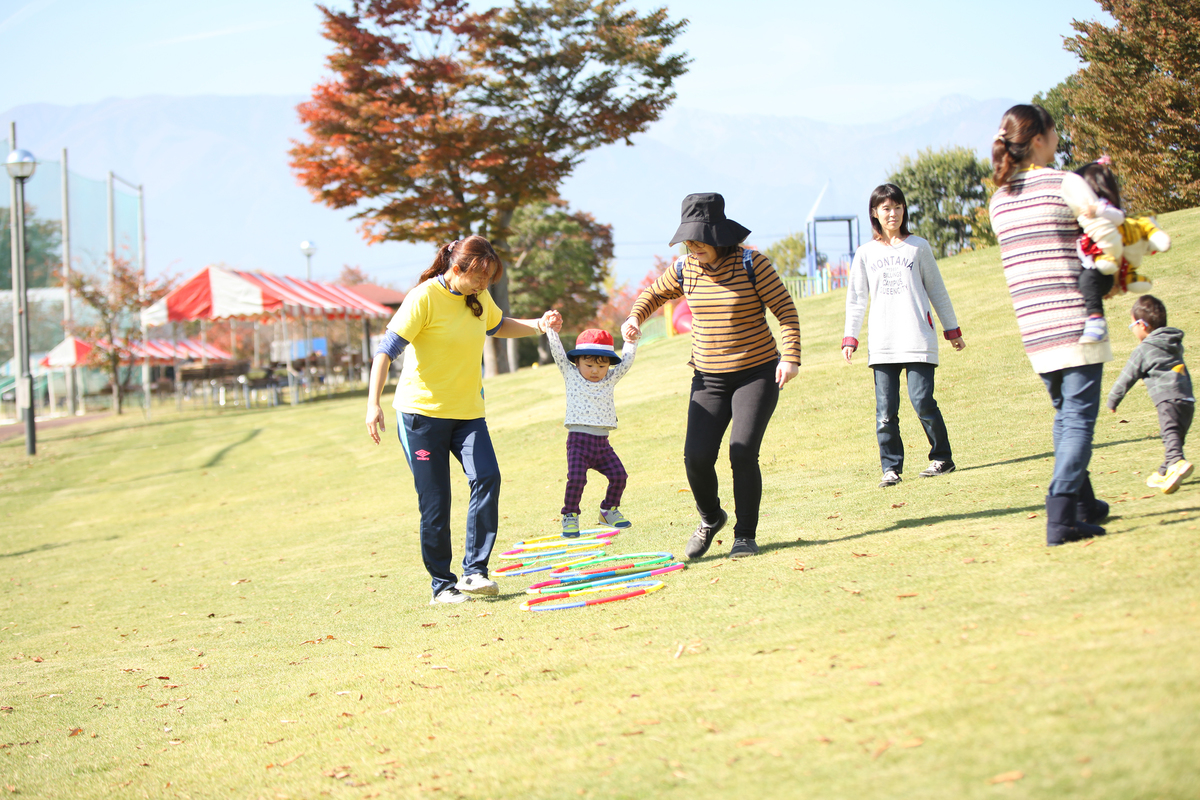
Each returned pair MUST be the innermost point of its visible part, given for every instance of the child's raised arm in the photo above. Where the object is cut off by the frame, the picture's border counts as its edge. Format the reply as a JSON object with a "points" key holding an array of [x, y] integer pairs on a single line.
{"points": [[557, 351]]}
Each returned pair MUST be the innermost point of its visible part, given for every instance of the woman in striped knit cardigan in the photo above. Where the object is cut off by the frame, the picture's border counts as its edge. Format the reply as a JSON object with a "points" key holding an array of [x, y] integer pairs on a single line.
{"points": [[738, 369], [1034, 214]]}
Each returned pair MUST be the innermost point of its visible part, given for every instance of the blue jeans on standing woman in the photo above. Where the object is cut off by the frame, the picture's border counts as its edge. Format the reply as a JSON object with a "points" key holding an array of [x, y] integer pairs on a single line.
{"points": [[428, 444], [887, 412], [1075, 394]]}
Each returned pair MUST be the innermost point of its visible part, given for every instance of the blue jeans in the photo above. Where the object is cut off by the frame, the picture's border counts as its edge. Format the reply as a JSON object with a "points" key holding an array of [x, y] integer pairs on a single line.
{"points": [[1075, 393], [887, 412], [428, 444]]}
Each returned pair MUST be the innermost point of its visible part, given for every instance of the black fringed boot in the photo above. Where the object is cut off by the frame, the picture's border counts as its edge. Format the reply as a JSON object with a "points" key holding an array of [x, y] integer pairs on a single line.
{"points": [[1089, 509], [1061, 524]]}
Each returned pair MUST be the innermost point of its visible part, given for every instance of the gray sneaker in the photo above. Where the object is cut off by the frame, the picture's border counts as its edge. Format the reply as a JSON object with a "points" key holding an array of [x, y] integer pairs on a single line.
{"points": [[890, 478], [448, 595], [699, 542], [937, 468], [743, 547]]}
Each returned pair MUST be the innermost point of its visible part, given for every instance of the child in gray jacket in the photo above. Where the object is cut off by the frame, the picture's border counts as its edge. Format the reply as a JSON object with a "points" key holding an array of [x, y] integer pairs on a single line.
{"points": [[1158, 362]]}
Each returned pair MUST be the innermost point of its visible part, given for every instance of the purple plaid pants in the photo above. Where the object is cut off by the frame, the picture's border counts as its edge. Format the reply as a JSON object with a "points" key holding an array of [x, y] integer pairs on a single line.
{"points": [[586, 451]]}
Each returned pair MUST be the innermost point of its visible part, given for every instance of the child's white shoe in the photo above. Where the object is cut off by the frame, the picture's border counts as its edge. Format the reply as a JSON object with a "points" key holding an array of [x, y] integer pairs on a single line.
{"points": [[1094, 330]]}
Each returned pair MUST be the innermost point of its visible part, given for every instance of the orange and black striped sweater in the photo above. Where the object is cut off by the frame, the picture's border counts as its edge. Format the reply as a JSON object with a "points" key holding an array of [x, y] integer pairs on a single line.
{"points": [[729, 326]]}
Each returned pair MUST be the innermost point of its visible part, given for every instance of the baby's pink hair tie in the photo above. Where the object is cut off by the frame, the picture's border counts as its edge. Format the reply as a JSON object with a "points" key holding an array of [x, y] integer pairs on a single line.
{"points": [[1104, 161]]}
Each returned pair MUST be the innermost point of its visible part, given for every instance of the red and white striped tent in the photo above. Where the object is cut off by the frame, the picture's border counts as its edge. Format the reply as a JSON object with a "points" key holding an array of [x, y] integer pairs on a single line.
{"points": [[216, 293], [166, 351], [70, 352]]}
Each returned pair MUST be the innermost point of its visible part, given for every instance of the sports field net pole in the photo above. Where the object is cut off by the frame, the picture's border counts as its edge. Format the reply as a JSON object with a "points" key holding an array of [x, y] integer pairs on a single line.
{"points": [[68, 321]]}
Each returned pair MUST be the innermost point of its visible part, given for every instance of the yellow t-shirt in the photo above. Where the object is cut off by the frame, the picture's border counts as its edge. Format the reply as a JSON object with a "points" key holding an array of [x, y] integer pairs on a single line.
{"points": [[443, 368]]}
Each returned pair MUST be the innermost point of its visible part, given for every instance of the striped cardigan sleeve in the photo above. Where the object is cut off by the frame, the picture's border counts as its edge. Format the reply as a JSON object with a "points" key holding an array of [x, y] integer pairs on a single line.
{"points": [[665, 288], [776, 297]]}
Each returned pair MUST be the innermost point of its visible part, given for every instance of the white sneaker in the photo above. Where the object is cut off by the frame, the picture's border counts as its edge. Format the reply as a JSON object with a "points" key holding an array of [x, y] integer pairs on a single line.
{"points": [[478, 584], [449, 595]]}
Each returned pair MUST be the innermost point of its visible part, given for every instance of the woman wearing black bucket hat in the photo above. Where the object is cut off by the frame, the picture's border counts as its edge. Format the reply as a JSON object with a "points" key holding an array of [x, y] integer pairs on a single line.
{"points": [[738, 368]]}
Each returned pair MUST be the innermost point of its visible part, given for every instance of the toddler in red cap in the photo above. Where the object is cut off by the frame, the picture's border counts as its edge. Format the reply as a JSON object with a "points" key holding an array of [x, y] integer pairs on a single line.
{"points": [[591, 372]]}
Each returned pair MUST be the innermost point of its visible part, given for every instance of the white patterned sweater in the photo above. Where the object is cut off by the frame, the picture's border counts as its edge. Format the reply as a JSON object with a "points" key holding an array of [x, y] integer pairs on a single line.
{"points": [[590, 406], [1035, 217]]}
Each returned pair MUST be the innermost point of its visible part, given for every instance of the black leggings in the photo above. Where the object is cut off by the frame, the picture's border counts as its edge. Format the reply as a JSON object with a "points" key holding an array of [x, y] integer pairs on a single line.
{"points": [[1093, 285], [747, 399]]}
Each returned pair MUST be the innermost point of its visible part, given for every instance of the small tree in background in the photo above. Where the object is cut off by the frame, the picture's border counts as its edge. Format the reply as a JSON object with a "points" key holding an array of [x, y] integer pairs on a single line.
{"points": [[353, 276], [1137, 99], [43, 249], [943, 189], [788, 256], [117, 304]]}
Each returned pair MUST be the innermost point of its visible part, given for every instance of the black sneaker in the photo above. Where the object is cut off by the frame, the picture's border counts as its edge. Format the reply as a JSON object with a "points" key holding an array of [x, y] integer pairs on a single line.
{"points": [[699, 542], [743, 547], [890, 478], [937, 468]]}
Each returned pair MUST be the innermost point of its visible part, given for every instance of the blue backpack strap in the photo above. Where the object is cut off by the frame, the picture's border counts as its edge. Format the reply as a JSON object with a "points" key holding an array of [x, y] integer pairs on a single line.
{"points": [[679, 270], [748, 265]]}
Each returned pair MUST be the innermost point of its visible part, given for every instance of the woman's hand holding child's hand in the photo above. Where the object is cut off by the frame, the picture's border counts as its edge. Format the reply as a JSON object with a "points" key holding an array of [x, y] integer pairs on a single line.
{"points": [[630, 331], [552, 321]]}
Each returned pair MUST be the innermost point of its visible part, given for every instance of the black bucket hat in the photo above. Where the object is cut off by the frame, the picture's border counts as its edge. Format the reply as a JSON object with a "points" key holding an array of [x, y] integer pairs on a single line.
{"points": [[703, 219]]}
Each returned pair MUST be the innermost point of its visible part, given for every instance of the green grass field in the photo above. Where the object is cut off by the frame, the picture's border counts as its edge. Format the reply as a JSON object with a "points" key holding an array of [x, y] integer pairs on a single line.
{"points": [[234, 605]]}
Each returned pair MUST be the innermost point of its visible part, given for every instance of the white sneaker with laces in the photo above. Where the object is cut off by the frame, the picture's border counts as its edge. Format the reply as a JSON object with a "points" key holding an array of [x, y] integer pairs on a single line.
{"points": [[448, 595], [890, 478], [478, 585]]}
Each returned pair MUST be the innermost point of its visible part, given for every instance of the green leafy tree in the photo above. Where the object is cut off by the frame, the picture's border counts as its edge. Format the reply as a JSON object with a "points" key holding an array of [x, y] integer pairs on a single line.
{"points": [[561, 261], [43, 249], [788, 256], [1057, 102], [943, 189], [1137, 99]]}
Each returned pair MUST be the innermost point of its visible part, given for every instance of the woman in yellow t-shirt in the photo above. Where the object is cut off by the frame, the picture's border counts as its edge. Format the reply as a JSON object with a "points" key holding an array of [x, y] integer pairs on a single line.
{"points": [[439, 403]]}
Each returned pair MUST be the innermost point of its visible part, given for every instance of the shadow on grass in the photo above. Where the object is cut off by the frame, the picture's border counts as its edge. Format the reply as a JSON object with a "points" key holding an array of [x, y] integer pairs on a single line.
{"points": [[901, 524], [54, 546], [1050, 454], [220, 454]]}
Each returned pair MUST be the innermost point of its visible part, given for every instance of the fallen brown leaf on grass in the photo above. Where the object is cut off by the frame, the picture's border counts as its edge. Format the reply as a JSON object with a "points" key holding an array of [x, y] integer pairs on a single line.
{"points": [[633, 733], [968, 561], [899, 505], [284, 763], [851, 591], [914, 742], [428, 624], [1147, 496], [710, 726], [1007, 777], [1032, 515], [750, 742], [381, 647], [824, 740], [799, 566], [907, 594], [864, 555], [880, 750], [74, 732]]}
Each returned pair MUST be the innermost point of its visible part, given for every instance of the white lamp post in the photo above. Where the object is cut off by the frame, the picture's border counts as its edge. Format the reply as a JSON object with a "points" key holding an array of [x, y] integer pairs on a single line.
{"points": [[308, 248], [21, 165]]}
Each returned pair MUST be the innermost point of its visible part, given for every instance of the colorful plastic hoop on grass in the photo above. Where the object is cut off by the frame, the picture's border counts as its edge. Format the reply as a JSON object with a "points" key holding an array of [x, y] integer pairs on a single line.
{"points": [[627, 590], [536, 563], [596, 533], [636, 561], [557, 585]]}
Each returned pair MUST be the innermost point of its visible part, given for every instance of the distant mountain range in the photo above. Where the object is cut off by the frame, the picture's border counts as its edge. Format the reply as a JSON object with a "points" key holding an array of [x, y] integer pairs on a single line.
{"points": [[218, 187]]}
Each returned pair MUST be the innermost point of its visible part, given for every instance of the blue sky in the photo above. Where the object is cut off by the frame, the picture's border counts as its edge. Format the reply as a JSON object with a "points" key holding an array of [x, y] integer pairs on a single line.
{"points": [[782, 57]]}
